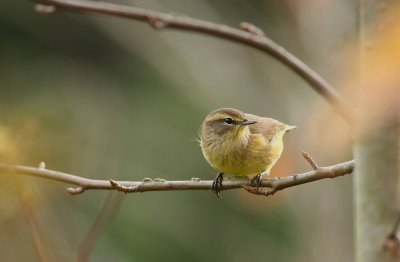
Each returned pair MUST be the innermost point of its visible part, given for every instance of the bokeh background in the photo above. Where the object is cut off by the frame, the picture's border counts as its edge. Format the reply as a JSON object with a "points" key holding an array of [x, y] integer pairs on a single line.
{"points": [[104, 97]]}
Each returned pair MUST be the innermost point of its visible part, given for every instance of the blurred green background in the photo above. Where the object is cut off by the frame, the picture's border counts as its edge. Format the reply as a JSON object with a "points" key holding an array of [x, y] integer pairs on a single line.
{"points": [[113, 98]]}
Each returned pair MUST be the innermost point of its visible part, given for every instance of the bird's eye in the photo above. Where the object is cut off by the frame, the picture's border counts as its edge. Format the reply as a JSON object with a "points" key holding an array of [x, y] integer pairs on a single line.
{"points": [[228, 120]]}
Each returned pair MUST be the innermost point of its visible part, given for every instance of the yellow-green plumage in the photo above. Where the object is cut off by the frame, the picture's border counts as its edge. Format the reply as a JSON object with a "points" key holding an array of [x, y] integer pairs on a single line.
{"points": [[249, 146]]}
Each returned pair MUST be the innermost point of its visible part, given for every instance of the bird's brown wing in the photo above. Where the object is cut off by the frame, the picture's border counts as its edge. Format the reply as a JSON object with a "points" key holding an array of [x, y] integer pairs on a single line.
{"points": [[268, 127]]}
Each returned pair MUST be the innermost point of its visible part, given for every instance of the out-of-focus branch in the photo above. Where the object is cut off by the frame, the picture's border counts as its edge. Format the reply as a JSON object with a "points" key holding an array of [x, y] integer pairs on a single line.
{"points": [[271, 184], [13, 149], [35, 228], [250, 35], [107, 213], [391, 244]]}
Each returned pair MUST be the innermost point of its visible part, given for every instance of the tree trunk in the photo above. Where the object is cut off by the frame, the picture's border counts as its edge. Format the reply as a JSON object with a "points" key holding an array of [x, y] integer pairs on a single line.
{"points": [[376, 179], [376, 191]]}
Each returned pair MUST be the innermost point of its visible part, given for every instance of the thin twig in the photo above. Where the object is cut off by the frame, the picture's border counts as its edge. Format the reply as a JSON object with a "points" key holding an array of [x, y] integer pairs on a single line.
{"points": [[107, 213], [275, 184], [250, 36], [396, 225], [311, 161]]}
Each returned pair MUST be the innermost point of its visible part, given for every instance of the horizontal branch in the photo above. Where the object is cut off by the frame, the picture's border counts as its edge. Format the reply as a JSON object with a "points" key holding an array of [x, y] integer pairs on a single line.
{"points": [[268, 186], [248, 35]]}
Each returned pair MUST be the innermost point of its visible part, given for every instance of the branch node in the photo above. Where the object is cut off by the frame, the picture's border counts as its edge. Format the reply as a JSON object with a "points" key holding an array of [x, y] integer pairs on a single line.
{"points": [[45, 9], [311, 161], [122, 188], [156, 22], [261, 191], [195, 179], [251, 29], [75, 190], [147, 179], [42, 166], [159, 180]]}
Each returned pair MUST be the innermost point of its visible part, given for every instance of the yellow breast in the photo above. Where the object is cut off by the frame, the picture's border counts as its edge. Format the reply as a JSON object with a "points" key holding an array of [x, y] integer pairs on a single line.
{"points": [[251, 154]]}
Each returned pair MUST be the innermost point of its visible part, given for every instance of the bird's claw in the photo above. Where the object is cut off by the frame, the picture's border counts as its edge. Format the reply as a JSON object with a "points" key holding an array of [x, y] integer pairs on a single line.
{"points": [[256, 181], [216, 186]]}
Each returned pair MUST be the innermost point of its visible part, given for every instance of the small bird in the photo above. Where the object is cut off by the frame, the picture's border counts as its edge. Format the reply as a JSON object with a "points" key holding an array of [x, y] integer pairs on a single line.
{"points": [[241, 144]]}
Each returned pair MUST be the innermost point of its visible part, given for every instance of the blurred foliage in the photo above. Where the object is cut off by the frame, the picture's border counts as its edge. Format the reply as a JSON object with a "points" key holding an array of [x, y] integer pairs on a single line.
{"points": [[112, 98]]}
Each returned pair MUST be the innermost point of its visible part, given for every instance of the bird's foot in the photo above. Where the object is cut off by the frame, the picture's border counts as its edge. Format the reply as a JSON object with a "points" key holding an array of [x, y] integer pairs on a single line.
{"points": [[256, 181], [216, 186]]}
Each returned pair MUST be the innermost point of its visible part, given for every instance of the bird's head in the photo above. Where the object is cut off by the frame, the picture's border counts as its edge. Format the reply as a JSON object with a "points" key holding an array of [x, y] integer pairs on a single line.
{"points": [[225, 122]]}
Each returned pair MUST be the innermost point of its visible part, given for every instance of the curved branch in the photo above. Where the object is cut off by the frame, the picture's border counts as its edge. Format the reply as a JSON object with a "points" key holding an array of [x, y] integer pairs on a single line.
{"points": [[249, 35], [270, 185]]}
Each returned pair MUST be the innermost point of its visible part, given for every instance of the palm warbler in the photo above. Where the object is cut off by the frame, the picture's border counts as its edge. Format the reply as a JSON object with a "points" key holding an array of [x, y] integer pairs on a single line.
{"points": [[241, 144]]}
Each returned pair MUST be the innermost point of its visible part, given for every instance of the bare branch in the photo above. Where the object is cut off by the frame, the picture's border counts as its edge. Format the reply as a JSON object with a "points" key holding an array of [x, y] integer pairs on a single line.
{"points": [[250, 36], [273, 184]]}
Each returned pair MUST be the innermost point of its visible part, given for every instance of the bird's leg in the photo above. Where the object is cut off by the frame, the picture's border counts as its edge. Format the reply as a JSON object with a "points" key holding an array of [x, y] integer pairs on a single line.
{"points": [[216, 186]]}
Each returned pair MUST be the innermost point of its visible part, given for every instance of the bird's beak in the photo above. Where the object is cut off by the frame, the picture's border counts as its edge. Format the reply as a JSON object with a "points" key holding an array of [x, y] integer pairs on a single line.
{"points": [[247, 122], [288, 127]]}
